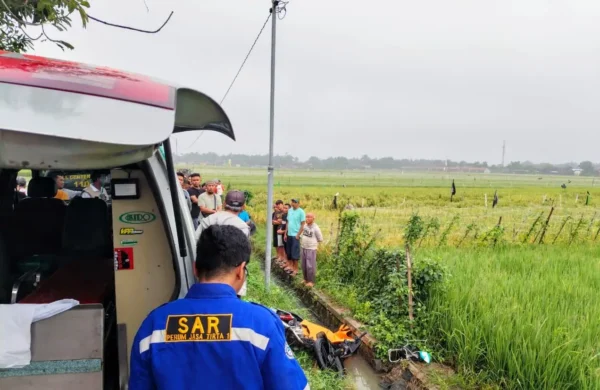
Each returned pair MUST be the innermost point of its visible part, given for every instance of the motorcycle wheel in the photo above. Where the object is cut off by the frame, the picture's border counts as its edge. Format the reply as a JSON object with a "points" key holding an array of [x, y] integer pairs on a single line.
{"points": [[325, 353]]}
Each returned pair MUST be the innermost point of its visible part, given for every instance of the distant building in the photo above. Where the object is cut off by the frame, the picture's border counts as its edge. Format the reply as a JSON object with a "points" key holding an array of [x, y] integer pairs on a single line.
{"points": [[577, 171]]}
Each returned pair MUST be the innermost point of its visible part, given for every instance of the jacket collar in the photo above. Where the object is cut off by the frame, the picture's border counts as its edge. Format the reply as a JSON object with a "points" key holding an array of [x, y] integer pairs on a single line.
{"points": [[211, 290]]}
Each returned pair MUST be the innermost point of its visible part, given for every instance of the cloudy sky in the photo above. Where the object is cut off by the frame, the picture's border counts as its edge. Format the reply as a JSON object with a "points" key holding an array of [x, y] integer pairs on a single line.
{"points": [[416, 79]]}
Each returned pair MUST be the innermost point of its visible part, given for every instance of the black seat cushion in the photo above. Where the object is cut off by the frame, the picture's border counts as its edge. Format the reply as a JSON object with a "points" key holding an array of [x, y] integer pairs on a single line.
{"points": [[42, 187], [38, 220], [86, 228], [37, 227]]}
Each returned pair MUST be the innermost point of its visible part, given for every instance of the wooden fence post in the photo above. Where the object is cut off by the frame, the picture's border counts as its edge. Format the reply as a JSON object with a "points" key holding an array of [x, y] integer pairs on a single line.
{"points": [[409, 277], [561, 228], [546, 226]]}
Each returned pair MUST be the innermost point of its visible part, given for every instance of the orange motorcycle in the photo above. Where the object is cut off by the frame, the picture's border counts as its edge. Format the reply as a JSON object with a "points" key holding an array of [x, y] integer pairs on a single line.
{"points": [[330, 348]]}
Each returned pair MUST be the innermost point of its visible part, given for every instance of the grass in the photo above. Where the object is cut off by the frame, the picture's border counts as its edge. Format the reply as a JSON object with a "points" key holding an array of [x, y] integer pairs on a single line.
{"points": [[285, 300], [514, 316], [527, 317], [388, 199]]}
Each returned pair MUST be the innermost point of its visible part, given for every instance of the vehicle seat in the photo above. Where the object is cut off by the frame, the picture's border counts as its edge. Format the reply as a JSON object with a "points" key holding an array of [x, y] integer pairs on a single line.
{"points": [[5, 273], [87, 229], [38, 221]]}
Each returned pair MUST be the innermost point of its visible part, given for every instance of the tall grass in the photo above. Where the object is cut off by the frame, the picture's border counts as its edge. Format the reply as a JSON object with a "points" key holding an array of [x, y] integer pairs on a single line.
{"points": [[529, 318]]}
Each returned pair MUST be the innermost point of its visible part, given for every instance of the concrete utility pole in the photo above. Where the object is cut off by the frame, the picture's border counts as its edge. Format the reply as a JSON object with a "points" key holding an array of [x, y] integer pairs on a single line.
{"points": [[270, 169], [503, 152]]}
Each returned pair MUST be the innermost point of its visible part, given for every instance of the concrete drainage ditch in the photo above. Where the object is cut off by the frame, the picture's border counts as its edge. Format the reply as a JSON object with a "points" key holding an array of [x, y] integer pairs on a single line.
{"points": [[366, 369]]}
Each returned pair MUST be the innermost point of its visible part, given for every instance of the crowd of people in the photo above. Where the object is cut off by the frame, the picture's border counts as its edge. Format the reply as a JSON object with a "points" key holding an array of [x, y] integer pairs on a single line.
{"points": [[205, 199], [296, 236]]}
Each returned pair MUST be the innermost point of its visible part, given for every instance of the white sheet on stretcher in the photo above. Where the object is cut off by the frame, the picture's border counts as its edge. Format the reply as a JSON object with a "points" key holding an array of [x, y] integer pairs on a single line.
{"points": [[15, 329]]}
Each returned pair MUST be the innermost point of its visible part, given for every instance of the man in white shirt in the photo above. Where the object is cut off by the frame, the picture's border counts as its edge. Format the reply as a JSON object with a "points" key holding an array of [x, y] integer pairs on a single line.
{"points": [[95, 189], [234, 204]]}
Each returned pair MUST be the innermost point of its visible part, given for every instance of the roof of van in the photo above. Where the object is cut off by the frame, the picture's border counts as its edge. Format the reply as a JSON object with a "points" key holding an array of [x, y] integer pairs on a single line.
{"points": [[35, 71], [60, 114]]}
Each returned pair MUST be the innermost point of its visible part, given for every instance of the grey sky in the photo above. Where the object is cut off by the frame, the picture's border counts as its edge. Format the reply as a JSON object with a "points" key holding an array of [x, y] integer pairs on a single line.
{"points": [[415, 79]]}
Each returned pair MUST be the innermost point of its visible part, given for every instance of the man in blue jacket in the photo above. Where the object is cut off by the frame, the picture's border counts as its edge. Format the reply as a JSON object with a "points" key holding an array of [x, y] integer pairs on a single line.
{"points": [[211, 339]]}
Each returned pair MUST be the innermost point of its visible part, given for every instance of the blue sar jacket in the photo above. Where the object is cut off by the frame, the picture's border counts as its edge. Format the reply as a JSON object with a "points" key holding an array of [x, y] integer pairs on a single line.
{"points": [[213, 340]]}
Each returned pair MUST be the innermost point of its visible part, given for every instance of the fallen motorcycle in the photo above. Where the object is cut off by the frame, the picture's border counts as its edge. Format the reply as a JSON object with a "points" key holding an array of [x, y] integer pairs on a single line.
{"points": [[330, 348]]}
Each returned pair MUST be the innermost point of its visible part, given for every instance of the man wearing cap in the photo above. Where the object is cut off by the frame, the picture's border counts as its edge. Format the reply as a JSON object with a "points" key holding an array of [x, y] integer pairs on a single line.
{"points": [[211, 339], [296, 219], [209, 202], [234, 204]]}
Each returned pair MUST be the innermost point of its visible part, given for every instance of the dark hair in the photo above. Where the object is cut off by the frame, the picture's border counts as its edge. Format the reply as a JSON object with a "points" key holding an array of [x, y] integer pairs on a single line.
{"points": [[220, 249], [54, 174], [180, 174], [279, 202], [94, 176], [288, 205], [194, 175]]}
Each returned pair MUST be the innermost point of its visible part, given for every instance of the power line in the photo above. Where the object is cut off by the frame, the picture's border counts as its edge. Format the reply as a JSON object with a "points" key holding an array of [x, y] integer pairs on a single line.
{"points": [[245, 59], [237, 74], [26, 23], [131, 28]]}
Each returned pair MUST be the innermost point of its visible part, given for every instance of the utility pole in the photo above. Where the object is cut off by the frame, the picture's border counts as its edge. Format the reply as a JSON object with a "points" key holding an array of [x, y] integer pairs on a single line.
{"points": [[503, 152], [270, 169]]}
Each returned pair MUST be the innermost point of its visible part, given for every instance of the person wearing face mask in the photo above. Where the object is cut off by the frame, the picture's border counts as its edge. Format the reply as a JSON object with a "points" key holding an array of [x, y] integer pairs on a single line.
{"points": [[211, 339]]}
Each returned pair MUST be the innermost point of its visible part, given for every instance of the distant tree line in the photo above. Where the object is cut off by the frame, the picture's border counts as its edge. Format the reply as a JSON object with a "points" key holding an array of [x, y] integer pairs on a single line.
{"points": [[585, 168]]}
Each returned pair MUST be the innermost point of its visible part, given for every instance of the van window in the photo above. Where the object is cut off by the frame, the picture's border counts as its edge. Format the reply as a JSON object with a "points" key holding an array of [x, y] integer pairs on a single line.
{"points": [[78, 180]]}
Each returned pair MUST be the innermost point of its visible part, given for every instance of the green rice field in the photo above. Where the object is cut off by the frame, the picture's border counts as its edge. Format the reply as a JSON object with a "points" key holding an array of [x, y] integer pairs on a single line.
{"points": [[519, 311]]}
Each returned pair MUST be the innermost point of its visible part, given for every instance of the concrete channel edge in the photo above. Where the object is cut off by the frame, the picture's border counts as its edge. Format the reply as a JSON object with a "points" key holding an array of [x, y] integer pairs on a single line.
{"points": [[333, 315]]}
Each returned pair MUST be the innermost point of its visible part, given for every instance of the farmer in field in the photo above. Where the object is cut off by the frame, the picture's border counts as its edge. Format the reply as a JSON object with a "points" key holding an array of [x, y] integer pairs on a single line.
{"points": [[296, 220], [209, 202], [311, 237]]}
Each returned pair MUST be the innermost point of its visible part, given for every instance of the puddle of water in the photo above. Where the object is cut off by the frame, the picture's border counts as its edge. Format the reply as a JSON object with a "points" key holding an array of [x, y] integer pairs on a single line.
{"points": [[364, 377]]}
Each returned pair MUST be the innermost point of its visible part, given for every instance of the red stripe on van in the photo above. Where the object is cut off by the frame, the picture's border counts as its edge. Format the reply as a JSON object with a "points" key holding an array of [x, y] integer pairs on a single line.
{"points": [[35, 71]]}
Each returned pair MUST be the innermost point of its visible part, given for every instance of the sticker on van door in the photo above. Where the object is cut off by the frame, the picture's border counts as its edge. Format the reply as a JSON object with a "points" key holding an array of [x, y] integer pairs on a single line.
{"points": [[134, 217], [129, 231], [123, 259]]}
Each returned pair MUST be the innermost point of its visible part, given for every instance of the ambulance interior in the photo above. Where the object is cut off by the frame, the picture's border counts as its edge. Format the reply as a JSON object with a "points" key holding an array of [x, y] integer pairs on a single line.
{"points": [[119, 258], [92, 250]]}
